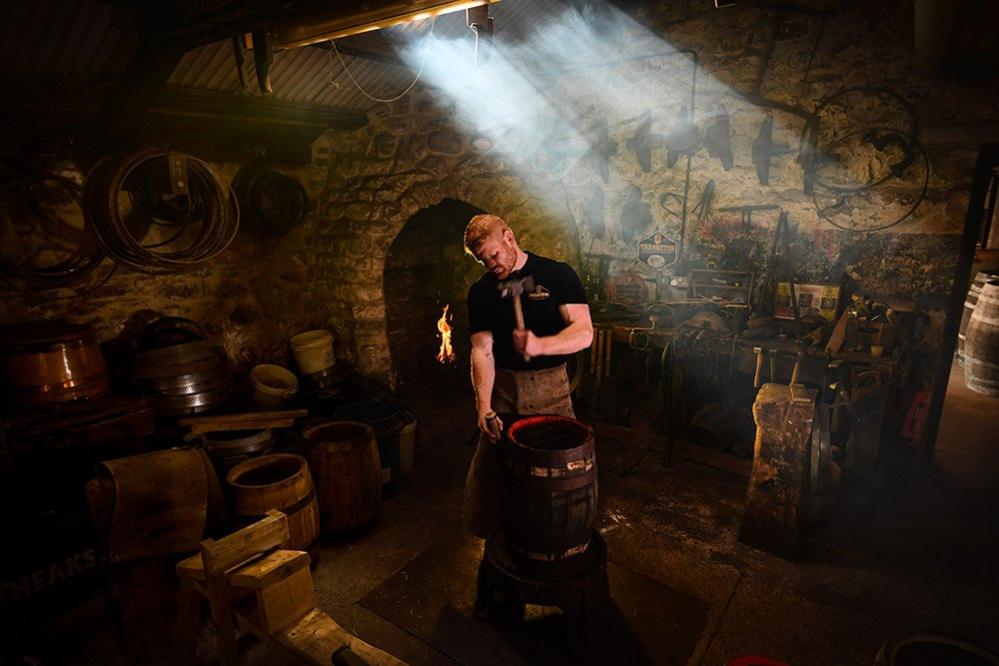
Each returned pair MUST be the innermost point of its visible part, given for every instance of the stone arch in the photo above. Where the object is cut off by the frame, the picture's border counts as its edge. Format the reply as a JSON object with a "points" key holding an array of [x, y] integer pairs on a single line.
{"points": [[425, 269]]}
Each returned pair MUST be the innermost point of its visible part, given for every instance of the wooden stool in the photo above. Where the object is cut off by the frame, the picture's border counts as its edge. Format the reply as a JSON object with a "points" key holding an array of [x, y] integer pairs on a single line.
{"points": [[582, 596], [254, 585]]}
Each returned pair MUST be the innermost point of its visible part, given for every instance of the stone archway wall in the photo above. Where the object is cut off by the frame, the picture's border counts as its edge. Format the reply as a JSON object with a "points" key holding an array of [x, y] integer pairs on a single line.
{"points": [[366, 185]]}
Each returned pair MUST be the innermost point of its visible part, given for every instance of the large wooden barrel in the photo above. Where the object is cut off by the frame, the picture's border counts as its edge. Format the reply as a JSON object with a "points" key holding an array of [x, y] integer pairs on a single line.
{"points": [[969, 306], [51, 362], [278, 481], [922, 649], [387, 421], [981, 350], [549, 492], [343, 456]]}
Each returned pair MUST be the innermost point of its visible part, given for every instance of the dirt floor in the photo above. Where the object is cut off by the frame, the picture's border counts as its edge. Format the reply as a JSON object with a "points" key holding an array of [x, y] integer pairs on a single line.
{"points": [[913, 549]]}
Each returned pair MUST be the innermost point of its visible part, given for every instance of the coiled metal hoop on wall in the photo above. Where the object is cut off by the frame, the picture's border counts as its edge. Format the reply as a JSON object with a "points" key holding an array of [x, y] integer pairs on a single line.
{"points": [[72, 252], [159, 220], [272, 202]]}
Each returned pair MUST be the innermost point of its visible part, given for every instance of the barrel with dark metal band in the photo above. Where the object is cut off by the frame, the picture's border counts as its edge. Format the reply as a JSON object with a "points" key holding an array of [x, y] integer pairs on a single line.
{"points": [[550, 493], [279, 481]]}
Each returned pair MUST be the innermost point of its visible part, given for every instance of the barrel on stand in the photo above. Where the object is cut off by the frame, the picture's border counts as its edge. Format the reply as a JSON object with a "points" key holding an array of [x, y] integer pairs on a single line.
{"points": [[981, 349], [969, 307], [343, 456], [387, 422], [278, 481], [550, 493]]}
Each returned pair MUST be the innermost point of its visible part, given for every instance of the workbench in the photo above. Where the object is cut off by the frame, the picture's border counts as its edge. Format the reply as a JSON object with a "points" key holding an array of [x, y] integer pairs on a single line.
{"points": [[870, 401]]}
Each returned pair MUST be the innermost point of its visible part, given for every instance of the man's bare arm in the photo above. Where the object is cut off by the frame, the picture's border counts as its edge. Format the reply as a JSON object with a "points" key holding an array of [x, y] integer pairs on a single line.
{"points": [[483, 375], [577, 335]]}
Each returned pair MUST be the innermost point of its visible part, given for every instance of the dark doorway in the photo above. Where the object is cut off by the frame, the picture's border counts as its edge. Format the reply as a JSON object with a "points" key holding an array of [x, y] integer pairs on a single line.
{"points": [[426, 269]]}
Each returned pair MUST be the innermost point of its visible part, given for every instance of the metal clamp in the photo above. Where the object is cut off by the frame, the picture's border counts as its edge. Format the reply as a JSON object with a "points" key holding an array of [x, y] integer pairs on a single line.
{"points": [[638, 338]]}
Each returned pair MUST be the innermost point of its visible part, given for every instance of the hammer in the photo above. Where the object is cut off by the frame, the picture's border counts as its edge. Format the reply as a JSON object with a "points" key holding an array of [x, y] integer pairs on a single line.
{"points": [[513, 288]]}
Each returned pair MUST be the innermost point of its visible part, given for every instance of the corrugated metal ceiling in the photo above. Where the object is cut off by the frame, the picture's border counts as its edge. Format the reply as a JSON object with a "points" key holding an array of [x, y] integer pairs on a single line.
{"points": [[81, 38], [91, 39]]}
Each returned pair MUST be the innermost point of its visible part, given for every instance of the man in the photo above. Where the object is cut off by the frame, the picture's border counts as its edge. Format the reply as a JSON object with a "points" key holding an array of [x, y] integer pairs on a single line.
{"points": [[557, 325]]}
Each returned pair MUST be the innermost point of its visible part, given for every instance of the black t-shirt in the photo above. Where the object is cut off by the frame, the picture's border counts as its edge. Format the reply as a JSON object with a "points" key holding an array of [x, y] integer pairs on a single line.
{"points": [[555, 284]]}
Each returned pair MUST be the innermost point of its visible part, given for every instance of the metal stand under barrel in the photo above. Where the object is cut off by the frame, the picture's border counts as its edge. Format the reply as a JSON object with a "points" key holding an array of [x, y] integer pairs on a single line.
{"points": [[583, 597]]}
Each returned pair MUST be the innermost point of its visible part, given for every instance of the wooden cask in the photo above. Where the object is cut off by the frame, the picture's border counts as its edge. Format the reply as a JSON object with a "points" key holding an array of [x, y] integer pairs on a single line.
{"points": [[549, 493], [51, 362], [981, 349], [346, 468], [969, 307], [279, 481]]}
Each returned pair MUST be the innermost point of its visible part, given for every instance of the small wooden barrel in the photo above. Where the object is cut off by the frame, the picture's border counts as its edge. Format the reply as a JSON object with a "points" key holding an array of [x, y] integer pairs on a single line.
{"points": [[50, 362], [981, 350], [346, 466], [969, 306], [229, 448], [550, 493], [278, 481]]}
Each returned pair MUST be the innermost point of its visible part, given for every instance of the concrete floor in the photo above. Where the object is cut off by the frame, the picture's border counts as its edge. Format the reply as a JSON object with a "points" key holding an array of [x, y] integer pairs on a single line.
{"points": [[915, 549]]}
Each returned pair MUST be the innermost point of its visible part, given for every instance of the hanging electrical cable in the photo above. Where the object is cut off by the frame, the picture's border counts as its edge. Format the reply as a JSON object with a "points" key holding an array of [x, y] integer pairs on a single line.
{"points": [[419, 73]]}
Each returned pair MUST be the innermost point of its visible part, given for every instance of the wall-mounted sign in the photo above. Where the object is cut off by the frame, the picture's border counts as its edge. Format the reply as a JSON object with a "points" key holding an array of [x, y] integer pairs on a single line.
{"points": [[658, 250]]}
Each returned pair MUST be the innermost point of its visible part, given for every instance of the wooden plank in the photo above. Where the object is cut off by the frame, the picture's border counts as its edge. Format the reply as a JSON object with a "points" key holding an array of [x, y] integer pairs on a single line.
{"points": [[238, 547], [681, 449], [315, 636], [245, 417], [269, 569], [774, 517], [243, 425], [179, 101], [283, 602]]}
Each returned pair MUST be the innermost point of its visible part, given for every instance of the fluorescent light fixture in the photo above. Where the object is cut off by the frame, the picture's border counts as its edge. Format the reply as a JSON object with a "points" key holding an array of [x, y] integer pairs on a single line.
{"points": [[391, 14]]}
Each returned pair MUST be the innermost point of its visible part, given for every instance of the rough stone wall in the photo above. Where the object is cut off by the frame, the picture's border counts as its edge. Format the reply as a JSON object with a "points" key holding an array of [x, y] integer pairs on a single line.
{"points": [[226, 295], [630, 178], [601, 199]]}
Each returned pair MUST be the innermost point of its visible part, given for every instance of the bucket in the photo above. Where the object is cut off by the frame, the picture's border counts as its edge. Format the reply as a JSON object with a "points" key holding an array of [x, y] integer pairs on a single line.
{"points": [[279, 481], [343, 456], [387, 422], [272, 386], [549, 494], [313, 351], [407, 443]]}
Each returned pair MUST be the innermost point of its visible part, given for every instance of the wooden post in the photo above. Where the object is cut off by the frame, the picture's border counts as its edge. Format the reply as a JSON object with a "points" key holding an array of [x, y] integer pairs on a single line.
{"points": [[774, 517]]}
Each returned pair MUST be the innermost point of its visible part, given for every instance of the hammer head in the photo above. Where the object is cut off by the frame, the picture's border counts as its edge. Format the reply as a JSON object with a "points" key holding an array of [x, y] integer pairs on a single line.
{"points": [[514, 287]]}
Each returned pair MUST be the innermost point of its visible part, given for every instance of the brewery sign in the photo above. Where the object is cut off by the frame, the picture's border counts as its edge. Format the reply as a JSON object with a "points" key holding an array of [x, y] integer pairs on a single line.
{"points": [[658, 250]]}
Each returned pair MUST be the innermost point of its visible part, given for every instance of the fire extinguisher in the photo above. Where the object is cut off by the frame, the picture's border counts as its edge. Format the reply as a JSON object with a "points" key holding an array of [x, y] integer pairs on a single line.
{"points": [[915, 415]]}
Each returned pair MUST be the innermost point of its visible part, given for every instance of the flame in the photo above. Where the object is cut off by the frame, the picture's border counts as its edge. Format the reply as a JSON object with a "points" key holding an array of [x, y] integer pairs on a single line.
{"points": [[446, 353]]}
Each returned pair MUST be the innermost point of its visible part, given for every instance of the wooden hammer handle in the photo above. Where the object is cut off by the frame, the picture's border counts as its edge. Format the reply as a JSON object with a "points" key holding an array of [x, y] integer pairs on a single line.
{"points": [[518, 314]]}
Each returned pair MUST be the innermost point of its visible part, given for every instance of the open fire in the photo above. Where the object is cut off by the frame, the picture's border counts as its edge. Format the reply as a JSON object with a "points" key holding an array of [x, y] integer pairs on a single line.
{"points": [[446, 353]]}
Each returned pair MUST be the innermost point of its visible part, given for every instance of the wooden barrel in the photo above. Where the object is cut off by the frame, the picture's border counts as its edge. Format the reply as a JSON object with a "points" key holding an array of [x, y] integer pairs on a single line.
{"points": [[549, 493], [387, 421], [981, 349], [278, 481], [51, 362], [922, 649], [969, 306], [343, 456], [226, 449]]}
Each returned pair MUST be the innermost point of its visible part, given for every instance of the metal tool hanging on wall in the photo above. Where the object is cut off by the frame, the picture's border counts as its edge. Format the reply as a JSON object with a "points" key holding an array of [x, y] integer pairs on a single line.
{"points": [[764, 149], [718, 138], [262, 44]]}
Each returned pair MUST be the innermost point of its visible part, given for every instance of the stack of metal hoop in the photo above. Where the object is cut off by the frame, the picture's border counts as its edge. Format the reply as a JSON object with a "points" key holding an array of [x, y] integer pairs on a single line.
{"points": [[180, 373]]}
